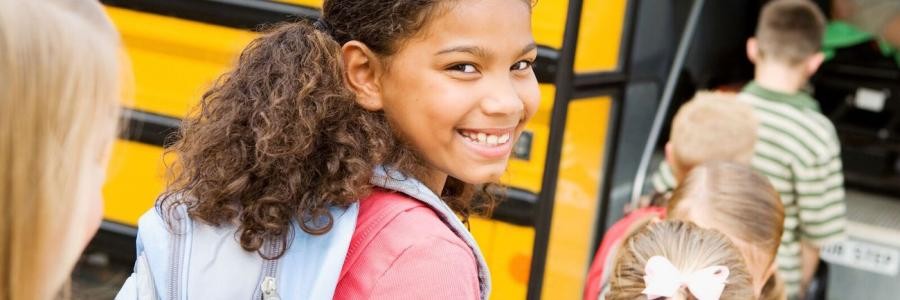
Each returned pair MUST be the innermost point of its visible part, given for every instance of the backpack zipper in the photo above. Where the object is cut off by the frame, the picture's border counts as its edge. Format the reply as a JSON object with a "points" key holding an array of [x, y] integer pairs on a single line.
{"points": [[268, 289], [175, 259], [267, 286]]}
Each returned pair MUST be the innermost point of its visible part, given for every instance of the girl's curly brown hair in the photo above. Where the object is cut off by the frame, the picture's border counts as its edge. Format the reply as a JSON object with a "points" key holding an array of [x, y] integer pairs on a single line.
{"points": [[280, 137]]}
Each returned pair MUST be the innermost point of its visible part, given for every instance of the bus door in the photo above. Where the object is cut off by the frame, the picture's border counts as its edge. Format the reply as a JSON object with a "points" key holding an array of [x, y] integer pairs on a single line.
{"points": [[589, 82]]}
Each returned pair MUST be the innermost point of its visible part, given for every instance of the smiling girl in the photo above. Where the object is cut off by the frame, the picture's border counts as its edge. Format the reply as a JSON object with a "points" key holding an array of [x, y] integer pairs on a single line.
{"points": [[333, 159]]}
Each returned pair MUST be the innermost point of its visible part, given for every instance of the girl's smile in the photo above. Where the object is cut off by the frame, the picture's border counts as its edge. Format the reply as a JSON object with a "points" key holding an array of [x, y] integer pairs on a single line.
{"points": [[489, 143]]}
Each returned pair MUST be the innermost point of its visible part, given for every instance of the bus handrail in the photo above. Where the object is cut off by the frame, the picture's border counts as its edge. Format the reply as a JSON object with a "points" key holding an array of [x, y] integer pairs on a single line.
{"points": [[684, 46]]}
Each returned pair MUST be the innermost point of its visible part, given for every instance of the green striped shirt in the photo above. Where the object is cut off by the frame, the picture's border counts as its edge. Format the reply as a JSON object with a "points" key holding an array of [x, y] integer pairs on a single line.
{"points": [[799, 152]]}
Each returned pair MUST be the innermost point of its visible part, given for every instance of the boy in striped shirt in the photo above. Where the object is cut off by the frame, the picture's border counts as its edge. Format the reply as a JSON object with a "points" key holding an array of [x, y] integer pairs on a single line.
{"points": [[797, 147]]}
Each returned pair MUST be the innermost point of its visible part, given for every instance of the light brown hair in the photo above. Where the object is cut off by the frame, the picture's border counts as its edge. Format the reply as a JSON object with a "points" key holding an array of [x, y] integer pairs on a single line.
{"points": [[689, 247], [713, 126], [59, 99], [735, 200], [790, 31]]}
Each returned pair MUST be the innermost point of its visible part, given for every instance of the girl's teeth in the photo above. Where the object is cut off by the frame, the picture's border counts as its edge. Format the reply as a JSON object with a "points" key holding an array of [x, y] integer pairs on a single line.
{"points": [[486, 139], [503, 138]]}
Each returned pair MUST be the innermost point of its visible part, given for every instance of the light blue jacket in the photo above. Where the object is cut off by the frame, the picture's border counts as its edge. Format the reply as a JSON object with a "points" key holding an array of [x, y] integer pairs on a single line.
{"points": [[210, 261]]}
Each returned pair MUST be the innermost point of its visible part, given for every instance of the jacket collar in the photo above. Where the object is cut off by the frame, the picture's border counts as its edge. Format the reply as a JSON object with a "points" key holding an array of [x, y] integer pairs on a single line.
{"points": [[800, 100]]}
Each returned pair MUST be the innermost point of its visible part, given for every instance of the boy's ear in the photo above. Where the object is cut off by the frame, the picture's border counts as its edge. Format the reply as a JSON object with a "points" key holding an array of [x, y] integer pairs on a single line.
{"points": [[668, 150], [673, 163], [753, 50], [362, 72], [814, 62]]}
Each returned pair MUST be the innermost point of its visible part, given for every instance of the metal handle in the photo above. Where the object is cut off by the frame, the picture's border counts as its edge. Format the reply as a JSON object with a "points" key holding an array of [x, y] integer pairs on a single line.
{"points": [[684, 47]]}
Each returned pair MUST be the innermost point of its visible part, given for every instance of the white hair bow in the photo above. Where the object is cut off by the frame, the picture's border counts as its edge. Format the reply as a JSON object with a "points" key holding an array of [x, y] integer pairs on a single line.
{"points": [[662, 279]]}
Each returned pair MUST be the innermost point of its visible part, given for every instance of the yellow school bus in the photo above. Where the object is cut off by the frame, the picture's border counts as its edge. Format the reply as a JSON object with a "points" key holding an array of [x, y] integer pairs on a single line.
{"points": [[540, 241]]}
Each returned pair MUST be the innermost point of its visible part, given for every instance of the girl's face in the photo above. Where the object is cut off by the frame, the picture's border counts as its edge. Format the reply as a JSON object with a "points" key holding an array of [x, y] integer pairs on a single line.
{"points": [[461, 90], [91, 196]]}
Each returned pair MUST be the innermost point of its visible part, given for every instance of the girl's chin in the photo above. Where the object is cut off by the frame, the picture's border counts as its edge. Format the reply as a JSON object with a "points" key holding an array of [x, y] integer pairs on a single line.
{"points": [[481, 175]]}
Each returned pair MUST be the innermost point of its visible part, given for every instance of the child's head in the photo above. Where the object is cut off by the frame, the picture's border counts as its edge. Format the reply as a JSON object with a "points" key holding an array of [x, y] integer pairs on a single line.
{"points": [[740, 203], [59, 105], [691, 250], [711, 127], [458, 90], [439, 90], [789, 33]]}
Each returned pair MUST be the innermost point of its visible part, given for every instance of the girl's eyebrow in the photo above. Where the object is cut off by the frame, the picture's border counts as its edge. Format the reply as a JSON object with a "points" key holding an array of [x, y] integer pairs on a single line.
{"points": [[528, 48], [473, 50], [481, 52]]}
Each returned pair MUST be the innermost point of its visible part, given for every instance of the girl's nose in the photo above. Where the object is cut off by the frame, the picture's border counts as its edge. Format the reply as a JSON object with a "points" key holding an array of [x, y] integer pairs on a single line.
{"points": [[503, 100]]}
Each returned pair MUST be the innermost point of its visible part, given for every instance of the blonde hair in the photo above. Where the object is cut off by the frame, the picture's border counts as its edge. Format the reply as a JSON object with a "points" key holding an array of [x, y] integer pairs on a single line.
{"points": [[59, 91], [713, 126], [790, 31], [736, 201], [689, 248]]}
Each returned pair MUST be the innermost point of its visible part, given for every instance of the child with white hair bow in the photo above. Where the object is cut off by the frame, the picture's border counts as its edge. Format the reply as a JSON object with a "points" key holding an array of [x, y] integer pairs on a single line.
{"points": [[679, 260]]}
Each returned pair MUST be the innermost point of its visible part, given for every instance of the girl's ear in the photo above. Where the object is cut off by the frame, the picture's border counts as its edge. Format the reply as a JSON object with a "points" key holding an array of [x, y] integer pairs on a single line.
{"points": [[362, 72]]}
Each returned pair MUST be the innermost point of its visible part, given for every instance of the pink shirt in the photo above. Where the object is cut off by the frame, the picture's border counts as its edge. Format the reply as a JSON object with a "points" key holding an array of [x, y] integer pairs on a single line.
{"points": [[402, 250], [598, 273]]}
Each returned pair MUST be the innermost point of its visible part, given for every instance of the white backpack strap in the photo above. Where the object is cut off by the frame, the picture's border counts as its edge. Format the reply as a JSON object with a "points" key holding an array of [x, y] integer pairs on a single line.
{"points": [[146, 290], [152, 248]]}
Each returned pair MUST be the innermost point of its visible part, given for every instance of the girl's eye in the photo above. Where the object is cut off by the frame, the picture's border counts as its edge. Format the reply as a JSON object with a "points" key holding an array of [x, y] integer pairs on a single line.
{"points": [[522, 65], [464, 68]]}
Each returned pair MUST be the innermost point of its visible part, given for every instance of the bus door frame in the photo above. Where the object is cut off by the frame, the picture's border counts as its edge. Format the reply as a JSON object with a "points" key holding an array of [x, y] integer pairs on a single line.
{"points": [[572, 87]]}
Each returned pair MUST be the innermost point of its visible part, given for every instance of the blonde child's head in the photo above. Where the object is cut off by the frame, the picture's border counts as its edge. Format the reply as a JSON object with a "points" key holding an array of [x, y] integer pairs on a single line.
{"points": [[740, 203], [692, 251], [712, 126], [789, 33], [59, 95]]}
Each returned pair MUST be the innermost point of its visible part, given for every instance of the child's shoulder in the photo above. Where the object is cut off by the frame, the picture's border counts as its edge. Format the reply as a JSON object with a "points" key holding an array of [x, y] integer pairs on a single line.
{"points": [[397, 218], [400, 239], [805, 116]]}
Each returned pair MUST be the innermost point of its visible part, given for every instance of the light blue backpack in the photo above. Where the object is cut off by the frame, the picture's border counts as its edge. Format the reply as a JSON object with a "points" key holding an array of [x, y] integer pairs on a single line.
{"points": [[210, 261]]}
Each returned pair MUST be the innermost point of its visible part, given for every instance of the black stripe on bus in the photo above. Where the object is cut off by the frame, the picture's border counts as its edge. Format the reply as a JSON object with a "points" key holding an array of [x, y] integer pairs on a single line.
{"points": [[518, 207], [149, 128], [249, 15], [258, 15], [545, 66]]}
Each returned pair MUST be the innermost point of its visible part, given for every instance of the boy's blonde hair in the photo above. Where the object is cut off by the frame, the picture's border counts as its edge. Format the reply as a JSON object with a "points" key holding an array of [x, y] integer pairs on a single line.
{"points": [[737, 201], [790, 31], [59, 94], [713, 127], [689, 248]]}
